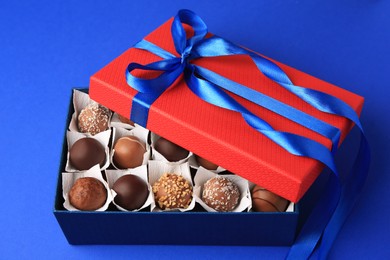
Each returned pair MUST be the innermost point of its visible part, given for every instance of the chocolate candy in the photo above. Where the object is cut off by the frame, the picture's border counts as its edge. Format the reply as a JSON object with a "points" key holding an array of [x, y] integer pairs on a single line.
{"points": [[131, 191], [85, 153], [87, 194], [266, 201], [172, 191], [205, 163], [125, 120], [93, 119], [129, 152], [221, 194], [172, 152]]}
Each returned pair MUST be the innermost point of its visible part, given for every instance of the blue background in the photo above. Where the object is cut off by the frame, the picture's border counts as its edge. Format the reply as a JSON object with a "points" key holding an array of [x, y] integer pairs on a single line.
{"points": [[47, 48]]}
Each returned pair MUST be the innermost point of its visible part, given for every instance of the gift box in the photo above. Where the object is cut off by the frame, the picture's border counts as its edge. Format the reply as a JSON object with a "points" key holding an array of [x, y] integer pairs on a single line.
{"points": [[220, 135], [230, 120]]}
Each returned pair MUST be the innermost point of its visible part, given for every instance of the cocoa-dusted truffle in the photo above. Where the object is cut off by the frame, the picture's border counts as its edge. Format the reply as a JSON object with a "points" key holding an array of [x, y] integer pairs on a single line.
{"points": [[131, 191], [172, 152], [221, 194], [85, 153], [125, 120], [205, 163], [172, 191], [93, 119], [265, 201], [87, 194], [129, 152]]}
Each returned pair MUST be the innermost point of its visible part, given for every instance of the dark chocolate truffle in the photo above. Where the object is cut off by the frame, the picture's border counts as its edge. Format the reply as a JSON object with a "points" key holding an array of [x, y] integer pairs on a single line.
{"points": [[221, 194], [93, 119], [131, 191], [172, 152], [266, 201], [205, 163], [85, 153], [125, 120], [172, 191], [87, 194], [129, 152]]}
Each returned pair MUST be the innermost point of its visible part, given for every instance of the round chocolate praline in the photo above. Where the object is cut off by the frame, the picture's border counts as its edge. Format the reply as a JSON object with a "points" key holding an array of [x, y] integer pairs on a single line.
{"points": [[172, 191], [87, 193], [131, 191], [265, 201], [206, 163], [221, 194], [94, 119], [129, 152], [85, 153], [172, 152], [125, 120]]}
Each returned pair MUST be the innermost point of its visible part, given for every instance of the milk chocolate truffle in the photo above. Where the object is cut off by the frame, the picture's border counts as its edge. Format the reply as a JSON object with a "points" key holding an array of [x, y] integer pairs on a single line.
{"points": [[129, 152], [125, 120], [87, 194], [131, 191], [221, 194], [93, 119], [85, 153], [205, 163], [266, 201], [172, 191], [172, 152]]}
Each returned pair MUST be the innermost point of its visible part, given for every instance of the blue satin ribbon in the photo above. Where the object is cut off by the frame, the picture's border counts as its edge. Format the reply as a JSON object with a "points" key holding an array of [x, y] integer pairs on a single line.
{"points": [[326, 219]]}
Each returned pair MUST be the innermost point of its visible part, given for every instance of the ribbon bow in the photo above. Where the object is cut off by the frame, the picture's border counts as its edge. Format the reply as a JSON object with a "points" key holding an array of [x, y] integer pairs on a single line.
{"points": [[210, 87]]}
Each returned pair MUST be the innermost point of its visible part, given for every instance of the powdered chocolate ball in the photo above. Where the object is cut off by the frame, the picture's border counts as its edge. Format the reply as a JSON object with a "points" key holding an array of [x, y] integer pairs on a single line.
{"points": [[172, 191], [129, 152], [131, 191], [172, 152], [205, 163], [93, 119], [87, 194], [265, 201], [125, 120], [85, 153], [221, 194]]}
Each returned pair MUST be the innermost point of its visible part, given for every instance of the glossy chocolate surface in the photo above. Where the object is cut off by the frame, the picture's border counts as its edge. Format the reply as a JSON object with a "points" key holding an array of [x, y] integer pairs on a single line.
{"points": [[85, 153]]}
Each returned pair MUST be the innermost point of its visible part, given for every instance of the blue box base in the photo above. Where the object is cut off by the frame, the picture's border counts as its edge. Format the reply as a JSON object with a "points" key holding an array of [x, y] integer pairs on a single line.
{"points": [[190, 228]]}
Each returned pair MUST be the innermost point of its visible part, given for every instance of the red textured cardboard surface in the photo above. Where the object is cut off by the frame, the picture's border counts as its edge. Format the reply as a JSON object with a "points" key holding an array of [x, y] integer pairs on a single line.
{"points": [[219, 135]]}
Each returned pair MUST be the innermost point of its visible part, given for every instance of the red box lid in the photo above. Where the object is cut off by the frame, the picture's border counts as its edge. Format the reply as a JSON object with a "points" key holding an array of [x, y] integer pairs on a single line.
{"points": [[220, 135]]}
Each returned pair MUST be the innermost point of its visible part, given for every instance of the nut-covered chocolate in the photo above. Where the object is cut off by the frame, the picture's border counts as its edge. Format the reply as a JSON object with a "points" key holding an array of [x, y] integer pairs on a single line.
{"points": [[172, 191], [265, 201], [93, 119], [205, 163], [125, 120], [129, 152], [131, 191], [172, 152], [85, 153], [87, 194], [221, 194]]}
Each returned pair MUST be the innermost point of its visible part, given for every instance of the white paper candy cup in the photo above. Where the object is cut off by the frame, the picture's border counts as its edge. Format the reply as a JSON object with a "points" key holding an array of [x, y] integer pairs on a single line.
{"points": [[203, 175], [159, 157], [142, 172], [80, 101], [138, 132], [158, 168], [290, 207], [69, 178], [103, 138]]}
